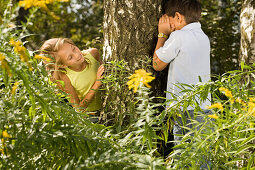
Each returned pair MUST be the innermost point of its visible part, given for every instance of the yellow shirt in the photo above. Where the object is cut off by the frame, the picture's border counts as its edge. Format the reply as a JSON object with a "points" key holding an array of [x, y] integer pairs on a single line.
{"points": [[84, 80]]}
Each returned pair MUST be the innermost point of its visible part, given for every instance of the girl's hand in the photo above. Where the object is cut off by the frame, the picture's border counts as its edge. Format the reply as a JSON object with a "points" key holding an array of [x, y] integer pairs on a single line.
{"points": [[100, 72]]}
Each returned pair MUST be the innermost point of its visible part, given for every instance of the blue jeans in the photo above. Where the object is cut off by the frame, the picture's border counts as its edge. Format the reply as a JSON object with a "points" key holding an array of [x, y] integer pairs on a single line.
{"points": [[178, 130]]}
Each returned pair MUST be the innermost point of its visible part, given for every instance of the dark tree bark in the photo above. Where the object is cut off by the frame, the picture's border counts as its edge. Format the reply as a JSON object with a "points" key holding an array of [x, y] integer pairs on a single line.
{"points": [[130, 33]]}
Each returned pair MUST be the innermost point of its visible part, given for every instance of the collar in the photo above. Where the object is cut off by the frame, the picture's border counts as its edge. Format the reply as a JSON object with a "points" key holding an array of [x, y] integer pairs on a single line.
{"points": [[191, 26]]}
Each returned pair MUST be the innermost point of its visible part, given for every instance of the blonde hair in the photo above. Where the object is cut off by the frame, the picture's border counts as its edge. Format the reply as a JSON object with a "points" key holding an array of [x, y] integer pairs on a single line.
{"points": [[51, 47]]}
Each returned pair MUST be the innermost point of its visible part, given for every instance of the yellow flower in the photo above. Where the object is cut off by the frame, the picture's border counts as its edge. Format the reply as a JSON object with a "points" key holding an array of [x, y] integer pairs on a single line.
{"points": [[32, 3], [43, 58], [216, 105], [38, 3], [22, 51], [2, 57], [140, 76], [26, 4], [227, 92], [251, 108], [15, 86], [214, 116], [5, 65], [19, 49], [251, 99], [5, 134], [15, 43]]}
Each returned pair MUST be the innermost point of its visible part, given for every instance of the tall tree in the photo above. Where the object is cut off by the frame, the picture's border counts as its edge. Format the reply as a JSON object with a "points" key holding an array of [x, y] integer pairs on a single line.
{"points": [[130, 33], [220, 21], [247, 17]]}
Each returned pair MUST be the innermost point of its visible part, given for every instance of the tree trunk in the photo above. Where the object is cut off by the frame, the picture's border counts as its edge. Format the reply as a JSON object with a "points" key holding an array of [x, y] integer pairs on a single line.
{"points": [[130, 33], [247, 17]]}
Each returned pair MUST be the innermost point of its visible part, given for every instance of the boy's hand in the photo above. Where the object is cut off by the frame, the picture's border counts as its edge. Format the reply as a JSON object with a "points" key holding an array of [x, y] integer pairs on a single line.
{"points": [[164, 25]]}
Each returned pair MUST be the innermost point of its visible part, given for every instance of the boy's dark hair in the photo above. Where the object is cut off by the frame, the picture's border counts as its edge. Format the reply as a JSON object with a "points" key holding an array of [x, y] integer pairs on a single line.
{"points": [[190, 9]]}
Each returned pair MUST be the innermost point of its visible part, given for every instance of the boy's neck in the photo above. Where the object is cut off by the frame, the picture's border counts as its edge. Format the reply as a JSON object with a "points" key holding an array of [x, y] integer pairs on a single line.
{"points": [[183, 24]]}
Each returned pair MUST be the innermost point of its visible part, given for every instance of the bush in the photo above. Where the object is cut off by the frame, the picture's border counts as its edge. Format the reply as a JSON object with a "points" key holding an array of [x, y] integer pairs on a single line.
{"points": [[39, 130]]}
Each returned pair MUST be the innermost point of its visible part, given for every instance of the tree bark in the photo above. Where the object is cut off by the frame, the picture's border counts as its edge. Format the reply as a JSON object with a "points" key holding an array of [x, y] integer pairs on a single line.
{"points": [[247, 18], [130, 33]]}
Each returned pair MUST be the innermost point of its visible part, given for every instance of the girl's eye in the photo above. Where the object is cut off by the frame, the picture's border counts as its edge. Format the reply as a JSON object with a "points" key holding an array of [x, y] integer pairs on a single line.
{"points": [[70, 57]]}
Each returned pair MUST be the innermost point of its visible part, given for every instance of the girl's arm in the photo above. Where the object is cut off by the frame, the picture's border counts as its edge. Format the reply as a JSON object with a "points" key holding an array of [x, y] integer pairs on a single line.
{"points": [[69, 89], [90, 95], [74, 99]]}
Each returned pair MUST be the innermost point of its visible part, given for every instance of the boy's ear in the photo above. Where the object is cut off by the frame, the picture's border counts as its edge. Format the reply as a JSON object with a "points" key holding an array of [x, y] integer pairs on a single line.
{"points": [[178, 16]]}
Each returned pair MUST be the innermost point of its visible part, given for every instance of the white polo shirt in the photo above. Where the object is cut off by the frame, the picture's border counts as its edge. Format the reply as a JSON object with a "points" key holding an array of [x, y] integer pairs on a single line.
{"points": [[188, 52]]}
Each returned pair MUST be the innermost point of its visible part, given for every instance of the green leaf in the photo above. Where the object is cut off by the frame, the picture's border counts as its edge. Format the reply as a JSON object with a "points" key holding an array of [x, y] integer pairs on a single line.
{"points": [[249, 139], [244, 148]]}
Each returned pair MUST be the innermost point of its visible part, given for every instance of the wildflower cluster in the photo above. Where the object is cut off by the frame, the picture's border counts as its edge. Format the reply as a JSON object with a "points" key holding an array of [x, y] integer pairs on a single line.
{"points": [[14, 88], [227, 93], [248, 107], [38, 3], [140, 76], [214, 116], [216, 106], [251, 106], [21, 50], [5, 136], [5, 65], [43, 58]]}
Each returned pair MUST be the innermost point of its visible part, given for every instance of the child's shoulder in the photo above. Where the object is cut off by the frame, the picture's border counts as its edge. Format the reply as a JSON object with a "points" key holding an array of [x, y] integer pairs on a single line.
{"points": [[91, 53]]}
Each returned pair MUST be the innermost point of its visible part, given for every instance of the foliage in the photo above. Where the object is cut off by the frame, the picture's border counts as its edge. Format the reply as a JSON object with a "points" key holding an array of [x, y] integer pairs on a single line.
{"points": [[118, 101], [39, 130], [77, 19], [220, 21], [225, 139]]}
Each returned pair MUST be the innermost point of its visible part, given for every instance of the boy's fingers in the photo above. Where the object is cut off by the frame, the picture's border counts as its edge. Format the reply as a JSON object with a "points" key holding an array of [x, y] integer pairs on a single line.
{"points": [[160, 20]]}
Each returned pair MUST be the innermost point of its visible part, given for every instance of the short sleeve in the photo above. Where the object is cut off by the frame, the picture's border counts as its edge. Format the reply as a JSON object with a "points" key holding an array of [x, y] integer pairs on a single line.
{"points": [[89, 56], [171, 48]]}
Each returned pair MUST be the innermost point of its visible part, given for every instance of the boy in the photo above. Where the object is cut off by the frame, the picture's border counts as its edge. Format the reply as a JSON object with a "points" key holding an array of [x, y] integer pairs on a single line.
{"points": [[183, 45]]}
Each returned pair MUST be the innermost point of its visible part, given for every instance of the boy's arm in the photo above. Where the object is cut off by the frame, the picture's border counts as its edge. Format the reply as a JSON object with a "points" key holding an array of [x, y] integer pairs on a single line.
{"points": [[165, 28], [159, 65]]}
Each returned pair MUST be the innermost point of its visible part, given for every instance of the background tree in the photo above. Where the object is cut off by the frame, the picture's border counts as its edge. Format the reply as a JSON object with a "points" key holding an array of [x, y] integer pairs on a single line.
{"points": [[220, 21], [80, 20], [247, 50]]}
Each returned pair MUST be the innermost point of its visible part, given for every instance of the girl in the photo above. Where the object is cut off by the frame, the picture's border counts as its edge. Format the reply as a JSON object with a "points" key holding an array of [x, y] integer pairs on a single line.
{"points": [[79, 70]]}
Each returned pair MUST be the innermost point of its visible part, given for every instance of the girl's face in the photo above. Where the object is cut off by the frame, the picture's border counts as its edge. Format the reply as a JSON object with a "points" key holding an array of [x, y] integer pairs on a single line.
{"points": [[70, 56]]}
